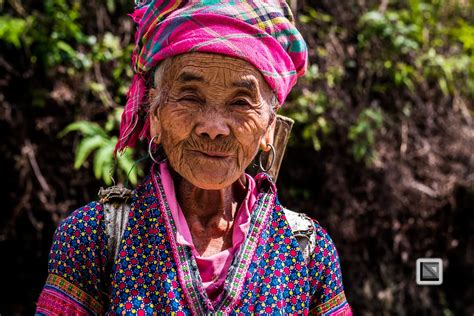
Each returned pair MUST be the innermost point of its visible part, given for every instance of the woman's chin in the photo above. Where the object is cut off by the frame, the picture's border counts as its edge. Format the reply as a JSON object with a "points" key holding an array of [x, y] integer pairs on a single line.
{"points": [[212, 179], [209, 175]]}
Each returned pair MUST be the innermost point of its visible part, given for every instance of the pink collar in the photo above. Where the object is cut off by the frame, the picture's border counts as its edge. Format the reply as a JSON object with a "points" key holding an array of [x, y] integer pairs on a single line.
{"points": [[213, 269]]}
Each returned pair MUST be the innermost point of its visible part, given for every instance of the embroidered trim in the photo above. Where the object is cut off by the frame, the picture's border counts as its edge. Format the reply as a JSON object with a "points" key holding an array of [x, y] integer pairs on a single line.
{"points": [[187, 268], [56, 302], [192, 295], [337, 305], [65, 290], [235, 280]]}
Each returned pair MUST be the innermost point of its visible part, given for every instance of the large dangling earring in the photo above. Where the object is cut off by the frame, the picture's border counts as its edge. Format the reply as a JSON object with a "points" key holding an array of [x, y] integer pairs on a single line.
{"points": [[272, 149], [150, 153]]}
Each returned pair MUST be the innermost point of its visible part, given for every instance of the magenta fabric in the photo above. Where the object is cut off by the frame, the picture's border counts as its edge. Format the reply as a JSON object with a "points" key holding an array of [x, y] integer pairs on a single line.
{"points": [[213, 269], [259, 32]]}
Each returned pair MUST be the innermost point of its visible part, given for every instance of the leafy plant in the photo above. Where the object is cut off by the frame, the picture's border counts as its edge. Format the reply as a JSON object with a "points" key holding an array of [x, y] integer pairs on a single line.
{"points": [[97, 139], [54, 40], [309, 109], [12, 29], [413, 41], [362, 134]]}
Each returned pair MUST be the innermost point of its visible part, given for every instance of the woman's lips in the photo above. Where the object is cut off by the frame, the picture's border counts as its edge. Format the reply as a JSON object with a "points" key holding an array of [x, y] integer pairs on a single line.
{"points": [[212, 154]]}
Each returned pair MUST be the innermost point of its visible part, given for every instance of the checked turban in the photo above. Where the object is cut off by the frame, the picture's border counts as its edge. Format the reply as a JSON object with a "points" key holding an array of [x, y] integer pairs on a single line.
{"points": [[260, 32]]}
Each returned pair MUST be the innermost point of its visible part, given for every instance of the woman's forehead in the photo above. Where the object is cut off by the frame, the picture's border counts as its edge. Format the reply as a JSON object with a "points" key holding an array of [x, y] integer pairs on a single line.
{"points": [[215, 69]]}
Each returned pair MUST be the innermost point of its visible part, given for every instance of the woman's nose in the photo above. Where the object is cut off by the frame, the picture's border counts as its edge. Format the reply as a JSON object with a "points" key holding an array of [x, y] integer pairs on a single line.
{"points": [[213, 128]]}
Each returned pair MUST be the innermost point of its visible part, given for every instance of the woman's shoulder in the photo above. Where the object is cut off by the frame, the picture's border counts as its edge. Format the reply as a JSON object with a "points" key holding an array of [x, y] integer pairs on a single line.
{"points": [[76, 261], [308, 228], [80, 234], [112, 206], [87, 219], [318, 248], [322, 259]]}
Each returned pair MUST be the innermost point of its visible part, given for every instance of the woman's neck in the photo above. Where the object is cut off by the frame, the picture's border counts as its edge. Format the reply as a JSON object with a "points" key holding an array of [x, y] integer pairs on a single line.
{"points": [[209, 213]]}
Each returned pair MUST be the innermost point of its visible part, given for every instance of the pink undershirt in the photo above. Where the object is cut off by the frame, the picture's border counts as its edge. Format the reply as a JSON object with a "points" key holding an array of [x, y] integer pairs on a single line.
{"points": [[213, 269]]}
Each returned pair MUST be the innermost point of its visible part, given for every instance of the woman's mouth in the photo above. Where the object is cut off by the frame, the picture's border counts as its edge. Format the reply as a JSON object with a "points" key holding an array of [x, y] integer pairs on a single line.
{"points": [[212, 154]]}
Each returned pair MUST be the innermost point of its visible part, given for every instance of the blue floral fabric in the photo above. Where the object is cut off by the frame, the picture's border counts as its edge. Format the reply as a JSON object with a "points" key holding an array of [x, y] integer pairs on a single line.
{"points": [[147, 278]]}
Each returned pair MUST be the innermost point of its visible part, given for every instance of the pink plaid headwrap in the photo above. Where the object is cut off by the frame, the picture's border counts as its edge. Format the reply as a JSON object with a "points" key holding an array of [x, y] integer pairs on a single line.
{"points": [[261, 32]]}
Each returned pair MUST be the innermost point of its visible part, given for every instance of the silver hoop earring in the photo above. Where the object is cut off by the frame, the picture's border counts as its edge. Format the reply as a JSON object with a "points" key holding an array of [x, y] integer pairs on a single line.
{"points": [[272, 149], [150, 152]]}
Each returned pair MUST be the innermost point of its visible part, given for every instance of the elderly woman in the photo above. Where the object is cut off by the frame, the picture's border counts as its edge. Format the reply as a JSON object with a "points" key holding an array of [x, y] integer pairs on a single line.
{"points": [[199, 236]]}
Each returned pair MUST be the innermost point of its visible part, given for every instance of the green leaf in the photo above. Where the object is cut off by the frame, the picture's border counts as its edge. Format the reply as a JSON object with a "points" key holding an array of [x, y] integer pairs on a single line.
{"points": [[316, 143], [465, 34], [11, 30], [374, 17], [126, 163], [86, 146], [323, 125], [65, 47], [111, 6], [85, 127], [97, 87], [103, 162]]}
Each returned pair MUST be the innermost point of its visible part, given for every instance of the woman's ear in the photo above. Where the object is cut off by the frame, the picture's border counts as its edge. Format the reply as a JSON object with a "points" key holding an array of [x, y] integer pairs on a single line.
{"points": [[269, 135], [155, 124], [152, 95]]}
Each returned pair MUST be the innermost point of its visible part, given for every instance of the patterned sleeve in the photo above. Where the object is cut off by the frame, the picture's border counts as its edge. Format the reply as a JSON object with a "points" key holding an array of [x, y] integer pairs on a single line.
{"points": [[328, 296], [76, 265]]}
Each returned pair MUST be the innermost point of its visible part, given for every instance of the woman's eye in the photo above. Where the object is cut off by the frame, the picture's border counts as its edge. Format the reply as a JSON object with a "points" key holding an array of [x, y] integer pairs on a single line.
{"points": [[241, 103], [191, 99]]}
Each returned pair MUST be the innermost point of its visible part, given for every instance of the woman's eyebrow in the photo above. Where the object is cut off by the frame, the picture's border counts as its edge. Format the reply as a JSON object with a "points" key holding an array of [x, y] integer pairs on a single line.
{"points": [[185, 77], [248, 84], [186, 88]]}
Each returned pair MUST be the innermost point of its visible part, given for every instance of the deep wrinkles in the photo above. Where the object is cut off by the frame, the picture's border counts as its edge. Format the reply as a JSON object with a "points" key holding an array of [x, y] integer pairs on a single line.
{"points": [[230, 144], [227, 145], [165, 68]]}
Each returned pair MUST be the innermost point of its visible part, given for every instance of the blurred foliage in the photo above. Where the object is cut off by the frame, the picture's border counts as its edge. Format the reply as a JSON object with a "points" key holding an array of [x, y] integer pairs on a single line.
{"points": [[55, 38], [385, 118], [362, 133], [410, 43], [417, 43], [97, 138], [381, 150], [11, 30]]}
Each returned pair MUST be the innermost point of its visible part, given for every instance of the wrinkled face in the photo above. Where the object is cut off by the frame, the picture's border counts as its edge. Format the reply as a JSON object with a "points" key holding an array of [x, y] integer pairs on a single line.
{"points": [[213, 115]]}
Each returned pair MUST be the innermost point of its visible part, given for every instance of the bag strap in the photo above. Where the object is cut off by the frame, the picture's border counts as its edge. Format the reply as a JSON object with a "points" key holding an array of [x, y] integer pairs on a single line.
{"points": [[116, 208], [116, 205], [304, 231]]}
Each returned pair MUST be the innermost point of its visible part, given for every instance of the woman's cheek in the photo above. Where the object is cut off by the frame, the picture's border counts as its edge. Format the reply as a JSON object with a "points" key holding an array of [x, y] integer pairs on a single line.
{"points": [[250, 131], [248, 134], [176, 127], [178, 123]]}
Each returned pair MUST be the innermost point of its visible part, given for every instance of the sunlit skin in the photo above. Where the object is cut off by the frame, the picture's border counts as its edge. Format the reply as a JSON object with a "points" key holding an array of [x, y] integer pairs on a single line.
{"points": [[214, 114]]}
